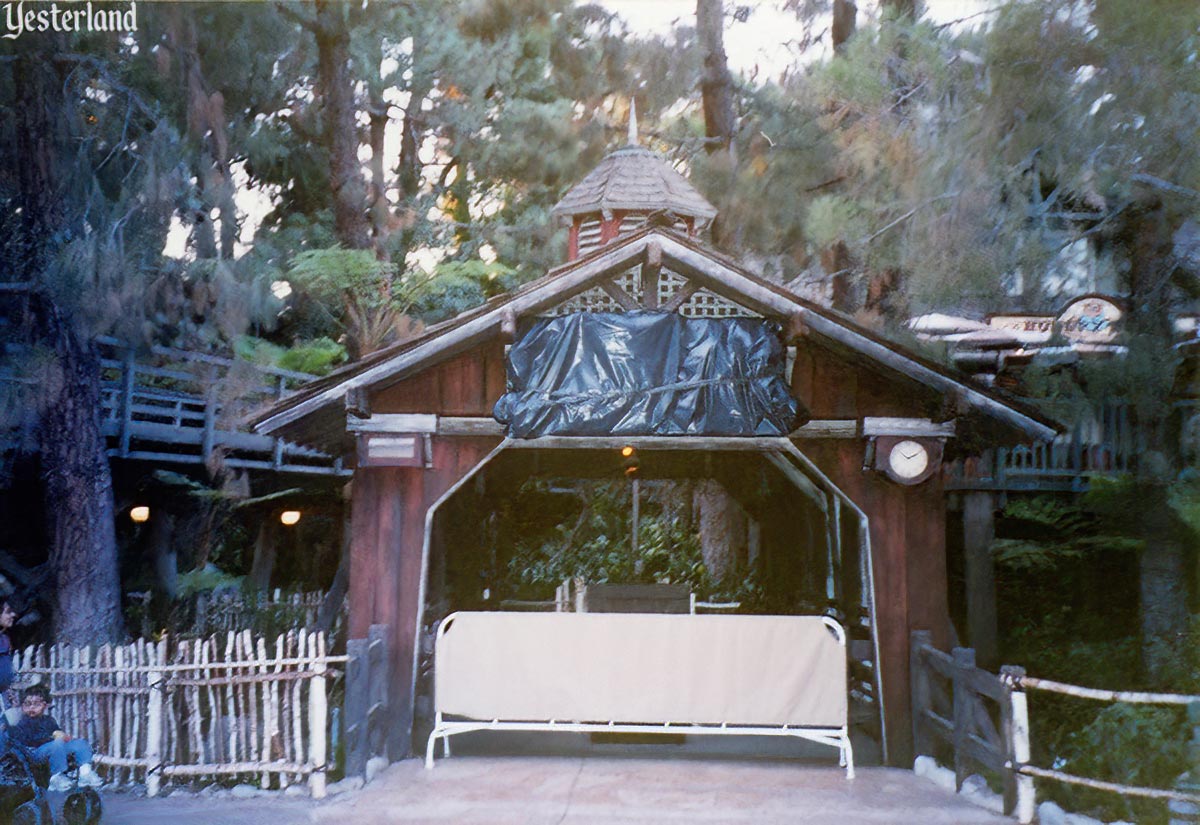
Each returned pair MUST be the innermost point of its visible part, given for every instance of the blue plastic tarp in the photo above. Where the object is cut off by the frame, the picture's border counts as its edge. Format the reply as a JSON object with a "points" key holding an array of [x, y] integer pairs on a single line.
{"points": [[648, 373]]}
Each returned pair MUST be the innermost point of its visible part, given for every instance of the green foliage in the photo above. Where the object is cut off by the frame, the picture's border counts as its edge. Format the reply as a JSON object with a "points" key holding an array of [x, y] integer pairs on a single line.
{"points": [[316, 357], [457, 286], [595, 545], [1068, 590], [1131, 744], [330, 274], [206, 579]]}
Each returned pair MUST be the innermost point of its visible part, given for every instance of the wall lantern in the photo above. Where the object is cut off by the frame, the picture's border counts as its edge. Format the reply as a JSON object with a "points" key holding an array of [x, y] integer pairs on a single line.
{"points": [[139, 514], [289, 517], [629, 461], [392, 450]]}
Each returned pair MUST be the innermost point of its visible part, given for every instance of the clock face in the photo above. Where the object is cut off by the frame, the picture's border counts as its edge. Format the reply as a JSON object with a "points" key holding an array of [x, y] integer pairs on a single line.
{"points": [[908, 460]]}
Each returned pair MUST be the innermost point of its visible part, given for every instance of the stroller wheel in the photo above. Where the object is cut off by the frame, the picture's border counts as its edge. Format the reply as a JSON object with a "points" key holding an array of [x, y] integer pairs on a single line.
{"points": [[82, 807], [33, 812]]}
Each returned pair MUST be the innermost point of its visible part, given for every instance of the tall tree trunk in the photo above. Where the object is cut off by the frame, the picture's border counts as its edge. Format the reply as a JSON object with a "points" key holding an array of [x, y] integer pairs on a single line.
{"points": [[845, 21], [1163, 609], [77, 481], [723, 529], [331, 605], [161, 544], [266, 547], [716, 83], [336, 88], [78, 489]]}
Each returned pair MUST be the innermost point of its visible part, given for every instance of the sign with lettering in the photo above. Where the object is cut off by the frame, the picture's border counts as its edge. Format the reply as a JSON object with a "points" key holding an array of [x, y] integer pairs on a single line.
{"points": [[1029, 329], [1091, 320]]}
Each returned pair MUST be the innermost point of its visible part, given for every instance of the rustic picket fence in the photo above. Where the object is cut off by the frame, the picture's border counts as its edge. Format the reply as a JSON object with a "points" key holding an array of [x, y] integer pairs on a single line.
{"points": [[983, 718], [218, 707]]}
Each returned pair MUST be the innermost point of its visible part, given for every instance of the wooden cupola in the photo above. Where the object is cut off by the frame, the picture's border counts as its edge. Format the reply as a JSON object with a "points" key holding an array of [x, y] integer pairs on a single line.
{"points": [[632, 186]]}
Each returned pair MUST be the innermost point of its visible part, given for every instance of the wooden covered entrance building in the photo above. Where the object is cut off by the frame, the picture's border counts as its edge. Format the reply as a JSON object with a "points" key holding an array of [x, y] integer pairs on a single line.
{"points": [[416, 421]]}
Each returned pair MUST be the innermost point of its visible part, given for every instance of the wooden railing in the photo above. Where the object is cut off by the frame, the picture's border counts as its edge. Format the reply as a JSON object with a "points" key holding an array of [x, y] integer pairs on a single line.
{"points": [[169, 405], [983, 719], [964, 706], [1104, 444]]}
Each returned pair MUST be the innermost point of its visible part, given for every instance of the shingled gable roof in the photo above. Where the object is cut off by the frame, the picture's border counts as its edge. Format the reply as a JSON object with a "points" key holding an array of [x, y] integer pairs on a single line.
{"points": [[708, 268], [634, 179]]}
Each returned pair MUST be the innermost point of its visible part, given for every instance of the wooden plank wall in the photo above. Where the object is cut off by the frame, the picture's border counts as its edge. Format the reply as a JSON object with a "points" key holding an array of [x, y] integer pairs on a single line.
{"points": [[908, 524], [389, 506]]}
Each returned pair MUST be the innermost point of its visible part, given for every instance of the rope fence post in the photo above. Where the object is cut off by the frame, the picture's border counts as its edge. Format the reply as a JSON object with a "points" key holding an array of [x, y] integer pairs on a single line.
{"points": [[1018, 738], [1183, 812], [1009, 675]]}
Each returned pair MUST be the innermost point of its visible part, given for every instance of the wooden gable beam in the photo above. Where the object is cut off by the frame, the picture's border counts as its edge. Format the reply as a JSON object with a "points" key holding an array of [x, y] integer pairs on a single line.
{"points": [[725, 280], [572, 281], [651, 272], [681, 296], [624, 300]]}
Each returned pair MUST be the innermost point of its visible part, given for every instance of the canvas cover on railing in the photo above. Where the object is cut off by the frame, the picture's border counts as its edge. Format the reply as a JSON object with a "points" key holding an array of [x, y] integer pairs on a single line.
{"points": [[648, 373]]}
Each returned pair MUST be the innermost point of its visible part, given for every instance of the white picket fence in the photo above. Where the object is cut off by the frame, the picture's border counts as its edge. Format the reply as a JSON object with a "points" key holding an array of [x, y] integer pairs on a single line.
{"points": [[232, 706]]}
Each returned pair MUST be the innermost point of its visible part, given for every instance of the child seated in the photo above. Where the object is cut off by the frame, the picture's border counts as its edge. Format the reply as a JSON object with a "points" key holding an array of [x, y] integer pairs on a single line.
{"points": [[39, 732]]}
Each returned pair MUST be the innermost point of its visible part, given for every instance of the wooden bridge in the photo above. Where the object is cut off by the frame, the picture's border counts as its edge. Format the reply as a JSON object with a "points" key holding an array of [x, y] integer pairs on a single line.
{"points": [[1105, 444], [174, 406]]}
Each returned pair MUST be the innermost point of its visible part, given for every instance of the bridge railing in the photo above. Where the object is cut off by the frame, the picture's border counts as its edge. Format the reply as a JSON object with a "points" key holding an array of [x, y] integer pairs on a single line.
{"points": [[965, 717], [1104, 442], [177, 406]]}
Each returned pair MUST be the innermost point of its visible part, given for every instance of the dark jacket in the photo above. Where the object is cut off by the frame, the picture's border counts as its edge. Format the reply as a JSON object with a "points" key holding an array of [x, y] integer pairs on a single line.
{"points": [[33, 733], [6, 663]]}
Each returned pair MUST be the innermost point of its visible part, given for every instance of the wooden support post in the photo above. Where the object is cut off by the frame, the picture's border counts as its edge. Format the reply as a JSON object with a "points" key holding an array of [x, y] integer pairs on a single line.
{"points": [[377, 690], [651, 271], [156, 680], [922, 699], [634, 525], [210, 426], [356, 707], [317, 717], [964, 663], [1188, 813], [979, 533], [127, 382]]}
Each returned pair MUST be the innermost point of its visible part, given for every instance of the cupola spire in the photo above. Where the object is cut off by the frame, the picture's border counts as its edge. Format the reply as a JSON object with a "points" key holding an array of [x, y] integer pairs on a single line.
{"points": [[633, 137]]}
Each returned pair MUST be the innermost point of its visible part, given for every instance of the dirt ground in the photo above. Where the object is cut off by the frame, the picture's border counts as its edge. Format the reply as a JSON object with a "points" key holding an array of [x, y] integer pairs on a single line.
{"points": [[588, 790]]}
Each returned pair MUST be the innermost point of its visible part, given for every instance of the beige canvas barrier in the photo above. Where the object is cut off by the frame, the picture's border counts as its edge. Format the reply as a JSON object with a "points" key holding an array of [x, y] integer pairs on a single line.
{"points": [[624, 672]]}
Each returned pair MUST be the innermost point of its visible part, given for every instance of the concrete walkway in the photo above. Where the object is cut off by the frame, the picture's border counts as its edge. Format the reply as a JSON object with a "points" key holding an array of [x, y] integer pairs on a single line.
{"points": [[542, 790]]}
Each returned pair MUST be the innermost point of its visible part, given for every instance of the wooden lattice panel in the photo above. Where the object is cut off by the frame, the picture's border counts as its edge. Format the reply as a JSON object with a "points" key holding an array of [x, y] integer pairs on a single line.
{"points": [[703, 304]]}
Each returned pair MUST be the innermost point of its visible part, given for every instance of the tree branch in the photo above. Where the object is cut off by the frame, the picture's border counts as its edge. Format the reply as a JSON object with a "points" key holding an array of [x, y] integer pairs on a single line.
{"points": [[305, 22], [908, 215], [1165, 185]]}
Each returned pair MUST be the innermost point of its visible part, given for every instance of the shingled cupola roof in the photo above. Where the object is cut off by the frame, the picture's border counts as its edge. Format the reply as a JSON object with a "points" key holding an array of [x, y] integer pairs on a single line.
{"points": [[634, 179]]}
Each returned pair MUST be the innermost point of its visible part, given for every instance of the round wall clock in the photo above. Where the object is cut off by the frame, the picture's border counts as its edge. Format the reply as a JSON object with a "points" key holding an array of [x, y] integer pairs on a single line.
{"points": [[906, 459]]}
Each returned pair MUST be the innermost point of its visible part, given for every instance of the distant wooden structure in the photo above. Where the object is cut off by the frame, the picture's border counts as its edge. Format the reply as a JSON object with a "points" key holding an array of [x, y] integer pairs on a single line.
{"points": [[165, 406], [430, 461]]}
